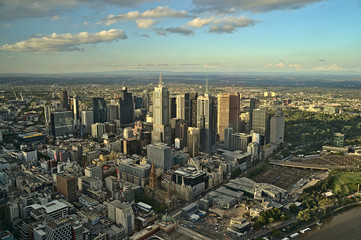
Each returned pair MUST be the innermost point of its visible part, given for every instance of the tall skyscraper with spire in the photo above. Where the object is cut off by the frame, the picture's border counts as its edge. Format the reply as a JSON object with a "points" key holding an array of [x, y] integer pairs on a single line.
{"points": [[161, 127], [207, 119]]}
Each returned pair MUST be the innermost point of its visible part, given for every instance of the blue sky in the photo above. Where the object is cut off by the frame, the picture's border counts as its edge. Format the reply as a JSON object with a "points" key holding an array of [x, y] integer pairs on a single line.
{"points": [[64, 36]]}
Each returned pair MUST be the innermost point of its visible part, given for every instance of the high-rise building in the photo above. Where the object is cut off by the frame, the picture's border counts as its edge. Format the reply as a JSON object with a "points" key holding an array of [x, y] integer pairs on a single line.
{"points": [[228, 113], [121, 213], [193, 141], [66, 185], [160, 154], [87, 119], [228, 138], [62, 123], [63, 97], [172, 107], [58, 230], [180, 106], [161, 127], [113, 112], [99, 110], [277, 128], [260, 124], [338, 138], [253, 104], [126, 107], [146, 100], [94, 171], [97, 130], [207, 119], [76, 109]]}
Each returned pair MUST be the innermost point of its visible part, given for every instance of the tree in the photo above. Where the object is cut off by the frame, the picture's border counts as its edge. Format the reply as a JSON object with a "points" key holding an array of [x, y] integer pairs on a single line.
{"points": [[305, 215], [293, 208], [325, 203]]}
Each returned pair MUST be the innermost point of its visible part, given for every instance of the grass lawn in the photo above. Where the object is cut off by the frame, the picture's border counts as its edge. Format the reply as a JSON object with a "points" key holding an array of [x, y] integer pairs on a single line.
{"points": [[346, 183]]}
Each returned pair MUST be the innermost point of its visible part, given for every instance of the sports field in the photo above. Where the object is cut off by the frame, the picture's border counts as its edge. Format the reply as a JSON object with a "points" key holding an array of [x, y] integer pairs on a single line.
{"points": [[345, 183]]}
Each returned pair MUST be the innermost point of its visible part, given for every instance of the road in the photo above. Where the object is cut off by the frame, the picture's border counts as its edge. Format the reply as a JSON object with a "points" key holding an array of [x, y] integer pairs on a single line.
{"points": [[192, 234]]}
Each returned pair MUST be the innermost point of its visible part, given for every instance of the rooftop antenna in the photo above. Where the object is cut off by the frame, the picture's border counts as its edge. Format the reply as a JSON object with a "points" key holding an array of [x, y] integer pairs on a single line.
{"points": [[207, 85], [160, 79]]}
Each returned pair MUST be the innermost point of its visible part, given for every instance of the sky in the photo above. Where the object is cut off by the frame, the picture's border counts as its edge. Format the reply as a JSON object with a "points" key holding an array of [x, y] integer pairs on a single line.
{"points": [[70, 36]]}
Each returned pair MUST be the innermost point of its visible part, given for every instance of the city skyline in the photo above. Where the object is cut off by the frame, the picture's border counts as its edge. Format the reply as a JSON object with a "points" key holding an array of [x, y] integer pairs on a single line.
{"points": [[211, 36]]}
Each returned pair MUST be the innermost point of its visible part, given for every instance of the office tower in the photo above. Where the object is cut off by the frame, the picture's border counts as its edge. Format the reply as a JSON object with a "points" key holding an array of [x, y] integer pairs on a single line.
{"points": [[187, 107], [94, 171], [183, 128], [260, 124], [180, 106], [63, 97], [99, 110], [240, 141], [160, 154], [126, 107], [121, 213], [76, 109], [253, 104], [338, 138], [207, 119], [97, 130], [62, 124], [66, 185], [193, 141], [58, 230], [87, 119], [113, 112], [228, 113], [277, 128], [172, 107], [161, 127], [146, 100], [191, 109], [228, 138]]}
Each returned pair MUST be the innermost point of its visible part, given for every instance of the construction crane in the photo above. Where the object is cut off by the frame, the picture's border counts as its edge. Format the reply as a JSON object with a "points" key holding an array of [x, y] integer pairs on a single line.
{"points": [[198, 171]]}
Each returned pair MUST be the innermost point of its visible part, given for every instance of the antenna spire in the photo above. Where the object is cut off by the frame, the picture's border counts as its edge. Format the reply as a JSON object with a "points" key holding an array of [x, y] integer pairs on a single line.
{"points": [[160, 80], [207, 85]]}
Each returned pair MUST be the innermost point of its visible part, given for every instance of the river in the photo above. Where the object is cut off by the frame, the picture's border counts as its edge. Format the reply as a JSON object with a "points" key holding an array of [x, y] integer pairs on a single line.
{"points": [[344, 226]]}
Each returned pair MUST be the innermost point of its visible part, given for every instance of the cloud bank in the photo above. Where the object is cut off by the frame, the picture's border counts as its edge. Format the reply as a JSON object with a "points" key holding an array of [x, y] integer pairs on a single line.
{"points": [[64, 42]]}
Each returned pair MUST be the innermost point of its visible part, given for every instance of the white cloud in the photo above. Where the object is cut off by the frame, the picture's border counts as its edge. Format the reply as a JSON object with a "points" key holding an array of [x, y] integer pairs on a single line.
{"points": [[200, 22], [211, 66], [54, 18], [229, 24], [333, 67], [251, 5], [158, 12], [64, 42], [15, 9], [281, 64], [145, 23], [180, 30]]}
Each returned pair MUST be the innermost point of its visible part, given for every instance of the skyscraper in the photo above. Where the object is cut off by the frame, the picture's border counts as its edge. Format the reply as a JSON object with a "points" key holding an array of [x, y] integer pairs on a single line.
{"points": [[160, 154], [172, 107], [260, 124], [63, 97], [253, 104], [228, 113], [277, 128], [99, 110], [76, 109], [207, 119], [126, 107], [87, 119], [186, 104], [180, 107], [66, 185], [193, 141], [62, 123], [161, 127]]}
